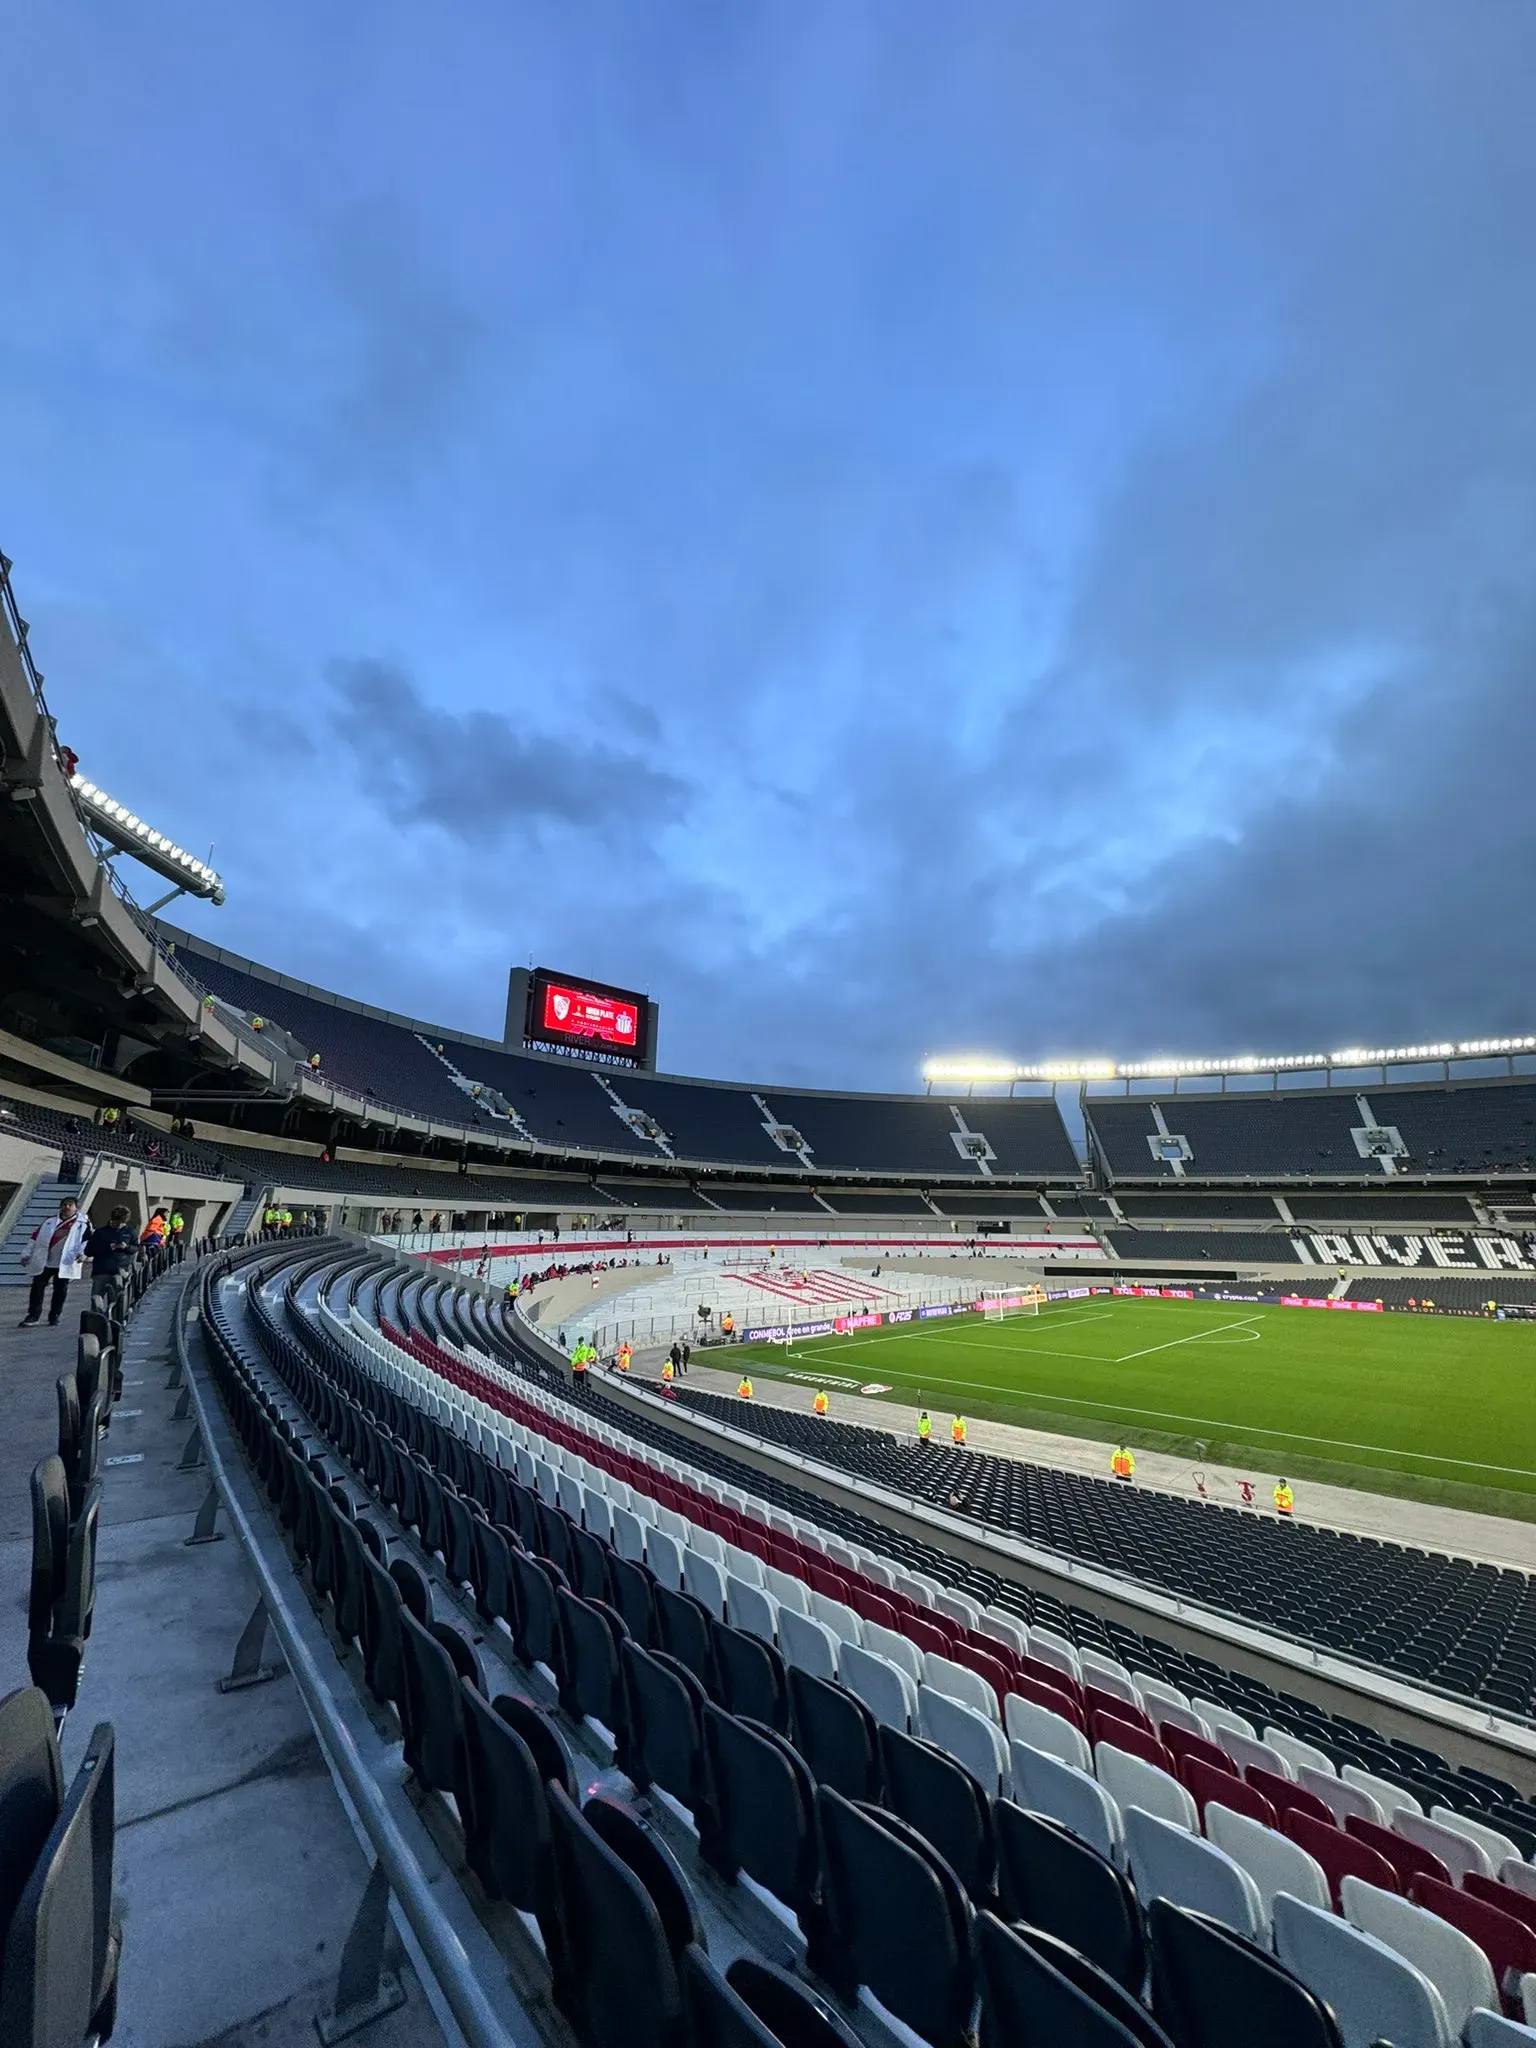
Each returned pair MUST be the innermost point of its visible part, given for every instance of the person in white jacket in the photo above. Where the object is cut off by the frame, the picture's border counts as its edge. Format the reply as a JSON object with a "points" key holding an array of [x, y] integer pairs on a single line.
{"points": [[55, 1252]]}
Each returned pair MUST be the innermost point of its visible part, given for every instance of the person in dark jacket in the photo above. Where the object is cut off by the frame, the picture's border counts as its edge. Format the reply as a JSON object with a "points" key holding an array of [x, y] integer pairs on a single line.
{"points": [[111, 1248]]}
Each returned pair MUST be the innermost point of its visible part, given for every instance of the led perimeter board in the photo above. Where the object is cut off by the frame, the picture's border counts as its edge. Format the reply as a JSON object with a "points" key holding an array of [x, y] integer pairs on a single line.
{"points": [[553, 1012]]}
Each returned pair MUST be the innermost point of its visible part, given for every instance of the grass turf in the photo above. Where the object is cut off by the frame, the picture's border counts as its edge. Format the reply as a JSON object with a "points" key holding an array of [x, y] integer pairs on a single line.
{"points": [[1434, 1407]]}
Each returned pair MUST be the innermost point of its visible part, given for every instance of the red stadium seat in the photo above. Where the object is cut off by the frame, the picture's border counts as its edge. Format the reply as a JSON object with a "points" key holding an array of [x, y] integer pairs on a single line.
{"points": [[1205, 1783], [1407, 1858], [1341, 1855], [1286, 1797]]}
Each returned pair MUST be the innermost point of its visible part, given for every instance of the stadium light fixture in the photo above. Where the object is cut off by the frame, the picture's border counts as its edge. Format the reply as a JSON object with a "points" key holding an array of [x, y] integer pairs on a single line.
{"points": [[963, 1069], [128, 833]]}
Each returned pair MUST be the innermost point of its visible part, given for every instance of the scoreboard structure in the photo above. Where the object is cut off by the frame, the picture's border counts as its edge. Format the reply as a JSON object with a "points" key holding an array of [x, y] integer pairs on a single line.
{"points": [[567, 1013]]}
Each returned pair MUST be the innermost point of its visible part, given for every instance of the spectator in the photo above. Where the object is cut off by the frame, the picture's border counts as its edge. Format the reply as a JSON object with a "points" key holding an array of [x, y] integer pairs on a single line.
{"points": [[54, 1254], [687, 1353], [416, 1221], [112, 1249]]}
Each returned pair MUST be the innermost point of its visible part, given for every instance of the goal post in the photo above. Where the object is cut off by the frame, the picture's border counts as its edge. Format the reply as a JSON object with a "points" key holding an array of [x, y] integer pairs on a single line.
{"points": [[999, 1308]]}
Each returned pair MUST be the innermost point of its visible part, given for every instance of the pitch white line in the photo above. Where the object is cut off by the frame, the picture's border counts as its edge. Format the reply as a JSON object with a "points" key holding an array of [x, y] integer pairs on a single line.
{"points": [[1026, 1397], [1242, 1323]]}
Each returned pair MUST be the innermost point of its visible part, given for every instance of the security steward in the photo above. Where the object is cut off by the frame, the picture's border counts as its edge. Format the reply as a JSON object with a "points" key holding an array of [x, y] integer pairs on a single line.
{"points": [[1285, 1500], [821, 1404], [1123, 1464], [924, 1428], [957, 1430], [745, 1389], [668, 1373]]}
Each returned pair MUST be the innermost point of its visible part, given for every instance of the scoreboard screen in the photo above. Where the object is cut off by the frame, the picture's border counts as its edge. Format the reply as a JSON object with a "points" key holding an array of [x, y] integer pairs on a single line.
{"points": [[589, 1016]]}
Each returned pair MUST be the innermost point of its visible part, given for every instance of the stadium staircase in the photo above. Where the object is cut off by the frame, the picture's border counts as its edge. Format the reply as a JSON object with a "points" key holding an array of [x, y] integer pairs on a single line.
{"points": [[41, 1204], [246, 1211]]}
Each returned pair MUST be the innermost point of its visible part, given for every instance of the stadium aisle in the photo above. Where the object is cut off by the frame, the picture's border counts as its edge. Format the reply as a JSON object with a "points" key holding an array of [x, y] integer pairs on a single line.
{"points": [[1492, 1539]]}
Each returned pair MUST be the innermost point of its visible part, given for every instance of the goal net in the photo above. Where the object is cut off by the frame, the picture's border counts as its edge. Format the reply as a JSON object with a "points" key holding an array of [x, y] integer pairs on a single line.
{"points": [[1003, 1307]]}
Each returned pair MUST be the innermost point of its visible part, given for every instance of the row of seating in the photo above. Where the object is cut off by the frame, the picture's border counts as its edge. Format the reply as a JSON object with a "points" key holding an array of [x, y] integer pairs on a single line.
{"points": [[800, 1682], [1246, 1813], [1241, 1702], [1465, 1627]]}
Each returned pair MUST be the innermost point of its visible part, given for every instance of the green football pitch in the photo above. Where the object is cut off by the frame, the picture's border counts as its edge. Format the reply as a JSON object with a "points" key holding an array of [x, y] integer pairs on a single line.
{"points": [[1438, 1407]]}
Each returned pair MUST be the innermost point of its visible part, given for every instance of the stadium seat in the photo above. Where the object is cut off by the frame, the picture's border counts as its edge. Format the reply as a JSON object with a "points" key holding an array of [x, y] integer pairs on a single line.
{"points": [[1029, 2001], [1209, 1986], [754, 1680], [506, 1816], [591, 1681], [836, 1734], [1205, 1784], [1408, 1858], [1287, 1797], [1044, 1784], [1508, 1943], [1168, 1862], [1043, 1728], [59, 1944], [1375, 1994], [1391, 1798], [1493, 2030], [764, 1813], [885, 1689], [622, 1984], [431, 1709], [935, 1794], [1274, 1862], [1298, 1752], [788, 2009], [1130, 1781], [967, 1734], [898, 1922], [1453, 1963], [807, 1645], [1053, 1880], [685, 1631], [665, 1714], [1493, 1891], [1344, 1801], [1340, 1855], [1497, 1846]]}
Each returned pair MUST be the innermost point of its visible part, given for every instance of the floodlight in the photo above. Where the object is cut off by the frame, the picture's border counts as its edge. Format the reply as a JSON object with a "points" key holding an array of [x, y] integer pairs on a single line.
{"points": [[115, 823]]}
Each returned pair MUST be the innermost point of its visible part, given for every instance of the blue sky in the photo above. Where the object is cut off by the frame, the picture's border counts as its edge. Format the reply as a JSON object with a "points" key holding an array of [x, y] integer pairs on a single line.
{"points": [[894, 529]]}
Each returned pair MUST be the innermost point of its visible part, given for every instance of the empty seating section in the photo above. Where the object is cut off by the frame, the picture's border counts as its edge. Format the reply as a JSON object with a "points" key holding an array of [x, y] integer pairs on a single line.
{"points": [[364, 1053], [1152, 1205], [1469, 1628], [893, 1134], [1206, 1247], [1470, 1129], [837, 1714], [704, 1122], [1445, 1290], [1249, 1136], [1398, 1211]]}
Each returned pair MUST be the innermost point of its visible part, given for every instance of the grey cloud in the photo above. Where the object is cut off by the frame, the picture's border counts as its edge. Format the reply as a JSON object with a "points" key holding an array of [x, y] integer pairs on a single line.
{"points": [[480, 777]]}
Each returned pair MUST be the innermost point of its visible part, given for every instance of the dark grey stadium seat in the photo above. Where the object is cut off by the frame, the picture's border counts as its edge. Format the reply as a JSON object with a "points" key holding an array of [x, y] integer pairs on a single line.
{"points": [[506, 1815], [1028, 2001], [1095, 1983], [940, 1798], [764, 1802], [622, 1988], [383, 1608], [836, 1734], [1210, 1988], [666, 1736], [548, 1746], [431, 1717], [755, 2005], [589, 1563], [591, 1681], [1053, 1881], [536, 1624], [684, 1627], [31, 1791], [789, 2009], [58, 1969], [754, 1681], [648, 1856], [56, 1639], [897, 1921], [634, 1595]]}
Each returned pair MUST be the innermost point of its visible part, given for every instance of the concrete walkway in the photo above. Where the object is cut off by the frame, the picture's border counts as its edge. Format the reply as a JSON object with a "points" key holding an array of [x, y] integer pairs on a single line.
{"points": [[1493, 1539], [237, 1873]]}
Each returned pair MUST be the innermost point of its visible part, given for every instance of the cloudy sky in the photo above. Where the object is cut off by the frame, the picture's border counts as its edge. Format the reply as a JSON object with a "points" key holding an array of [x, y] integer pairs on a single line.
{"points": [[894, 528]]}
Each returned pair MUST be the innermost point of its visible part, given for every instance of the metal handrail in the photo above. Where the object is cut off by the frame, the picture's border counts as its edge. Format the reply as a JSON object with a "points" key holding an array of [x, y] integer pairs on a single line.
{"points": [[477, 2019]]}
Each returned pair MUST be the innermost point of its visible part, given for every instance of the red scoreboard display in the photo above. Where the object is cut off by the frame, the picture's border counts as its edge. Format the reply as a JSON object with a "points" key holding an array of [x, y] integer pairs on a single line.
{"points": [[588, 1016]]}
